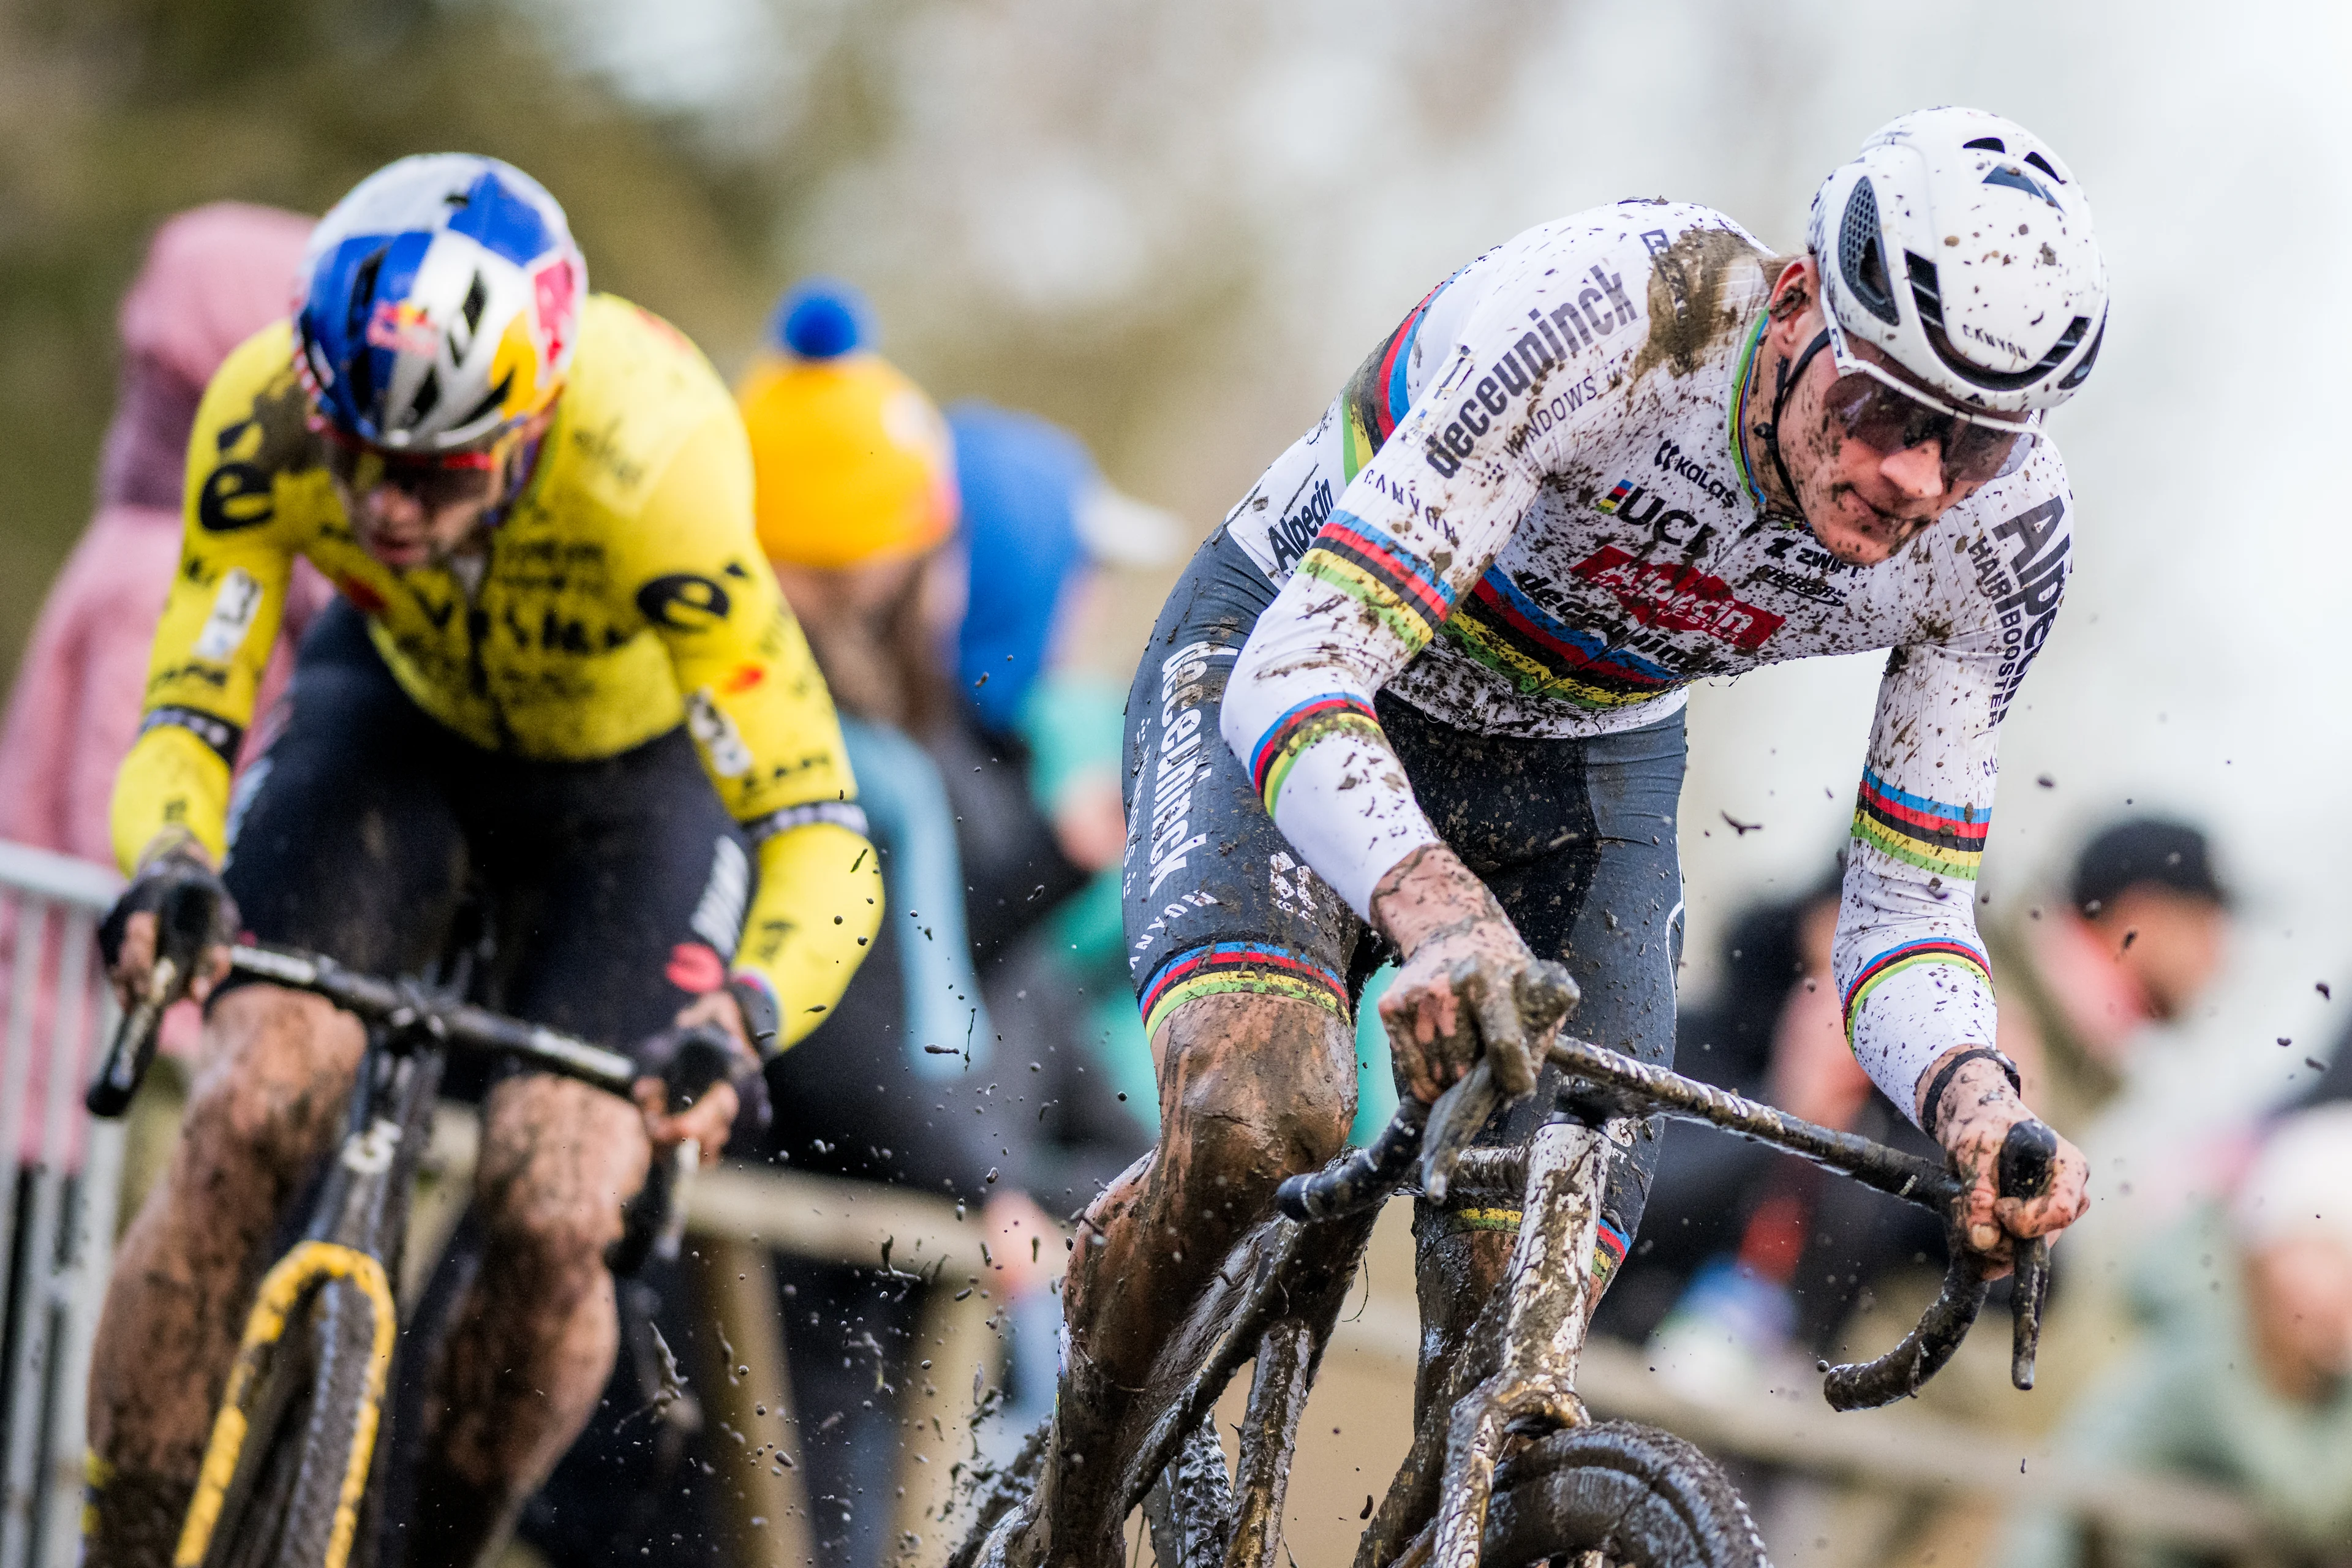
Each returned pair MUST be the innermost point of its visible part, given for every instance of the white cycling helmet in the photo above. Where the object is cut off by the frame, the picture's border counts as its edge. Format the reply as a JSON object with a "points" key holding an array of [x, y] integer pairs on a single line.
{"points": [[439, 303], [1960, 245]]}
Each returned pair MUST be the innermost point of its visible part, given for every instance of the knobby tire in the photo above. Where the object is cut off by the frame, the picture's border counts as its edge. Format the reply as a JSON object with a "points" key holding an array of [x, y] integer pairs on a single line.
{"points": [[1642, 1498], [285, 1516]]}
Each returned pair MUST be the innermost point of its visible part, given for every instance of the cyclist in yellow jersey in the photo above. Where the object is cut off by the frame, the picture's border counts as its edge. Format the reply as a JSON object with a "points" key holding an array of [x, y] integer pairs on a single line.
{"points": [[558, 674]]}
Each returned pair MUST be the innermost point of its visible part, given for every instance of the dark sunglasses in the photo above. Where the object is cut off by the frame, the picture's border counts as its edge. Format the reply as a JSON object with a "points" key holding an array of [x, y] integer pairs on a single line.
{"points": [[445, 480], [1889, 421]]}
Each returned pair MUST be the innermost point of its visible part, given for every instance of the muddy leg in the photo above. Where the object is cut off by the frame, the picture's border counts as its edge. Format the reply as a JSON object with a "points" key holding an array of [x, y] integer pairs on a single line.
{"points": [[531, 1345], [1253, 1089], [275, 1069]]}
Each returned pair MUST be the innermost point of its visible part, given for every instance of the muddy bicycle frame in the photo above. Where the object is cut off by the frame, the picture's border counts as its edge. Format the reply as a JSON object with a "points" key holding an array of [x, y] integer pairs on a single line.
{"points": [[1276, 1301]]}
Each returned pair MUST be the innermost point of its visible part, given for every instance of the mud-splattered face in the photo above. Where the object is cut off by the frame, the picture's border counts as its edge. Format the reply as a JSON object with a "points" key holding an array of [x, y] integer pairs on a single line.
{"points": [[1863, 504]]}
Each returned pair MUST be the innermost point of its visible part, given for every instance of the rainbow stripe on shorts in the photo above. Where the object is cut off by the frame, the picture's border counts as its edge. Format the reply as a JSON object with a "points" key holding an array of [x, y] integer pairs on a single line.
{"points": [[1251, 967]]}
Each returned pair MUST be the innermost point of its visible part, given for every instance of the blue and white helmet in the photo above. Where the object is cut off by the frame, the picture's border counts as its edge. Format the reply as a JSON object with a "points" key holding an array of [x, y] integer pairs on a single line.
{"points": [[1959, 245], [439, 303]]}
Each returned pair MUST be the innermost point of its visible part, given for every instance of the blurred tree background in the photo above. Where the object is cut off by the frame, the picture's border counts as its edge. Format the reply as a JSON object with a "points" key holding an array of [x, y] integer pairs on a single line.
{"points": [[1080, 207]]}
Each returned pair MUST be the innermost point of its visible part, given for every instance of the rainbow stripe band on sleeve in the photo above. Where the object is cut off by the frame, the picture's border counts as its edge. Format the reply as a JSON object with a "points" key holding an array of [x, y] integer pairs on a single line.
{"points": [[1245, 966], [1910, 956], [1375, 397], [1400, 588], [1947, 840], [1299, 728]]}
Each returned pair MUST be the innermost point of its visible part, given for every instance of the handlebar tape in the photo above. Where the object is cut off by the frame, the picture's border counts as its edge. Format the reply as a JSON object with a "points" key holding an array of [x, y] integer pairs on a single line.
{"points": [[1358, 1180]]}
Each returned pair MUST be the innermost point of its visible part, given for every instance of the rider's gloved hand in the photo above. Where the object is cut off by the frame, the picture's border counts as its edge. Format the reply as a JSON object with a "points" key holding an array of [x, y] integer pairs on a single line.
{"points": [[726, 1082], [1975, 1106], [178, 880], [1462, 990]]}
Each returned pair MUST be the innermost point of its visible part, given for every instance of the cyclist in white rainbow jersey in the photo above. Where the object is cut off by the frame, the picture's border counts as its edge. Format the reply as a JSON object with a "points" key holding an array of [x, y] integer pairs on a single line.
{"points": [[1422, 695]]}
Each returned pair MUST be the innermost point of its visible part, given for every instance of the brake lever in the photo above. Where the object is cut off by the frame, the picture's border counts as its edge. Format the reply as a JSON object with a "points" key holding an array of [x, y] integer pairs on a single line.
{"points": [[702, 1059], [183, 923], [2028, 1161], [1455, 1122]]}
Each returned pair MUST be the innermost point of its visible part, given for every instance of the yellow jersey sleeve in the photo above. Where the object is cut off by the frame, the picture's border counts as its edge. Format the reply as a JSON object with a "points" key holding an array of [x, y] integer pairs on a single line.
{"points": [[248, 492], [763, 722]]}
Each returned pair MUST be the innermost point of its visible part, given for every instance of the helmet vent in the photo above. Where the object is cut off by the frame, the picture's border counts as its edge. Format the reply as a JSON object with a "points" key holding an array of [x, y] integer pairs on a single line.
{"points": [[1927, 294], [2042, 164], [1926, 291], [478, 299], [427, 398], [360, 303], [2081, 373], [1862, 257], [2018, 180], [1989, 144], [489, 403]]}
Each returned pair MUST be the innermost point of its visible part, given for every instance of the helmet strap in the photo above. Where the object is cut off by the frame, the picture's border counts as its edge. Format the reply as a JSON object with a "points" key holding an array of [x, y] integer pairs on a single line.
{"points": [[1785, 377]]}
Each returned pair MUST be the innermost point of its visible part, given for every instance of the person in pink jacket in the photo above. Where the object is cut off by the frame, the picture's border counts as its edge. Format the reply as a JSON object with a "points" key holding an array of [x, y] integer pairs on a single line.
{"points": [[213, 276]]}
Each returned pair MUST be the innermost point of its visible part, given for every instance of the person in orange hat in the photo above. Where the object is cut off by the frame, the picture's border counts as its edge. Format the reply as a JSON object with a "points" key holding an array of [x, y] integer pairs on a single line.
{"points": [[856, 495], [855, 508]]}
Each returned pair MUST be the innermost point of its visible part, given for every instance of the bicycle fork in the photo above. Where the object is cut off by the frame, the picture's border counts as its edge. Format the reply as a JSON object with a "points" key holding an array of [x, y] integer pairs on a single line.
{"points": [[1548, 1297]]}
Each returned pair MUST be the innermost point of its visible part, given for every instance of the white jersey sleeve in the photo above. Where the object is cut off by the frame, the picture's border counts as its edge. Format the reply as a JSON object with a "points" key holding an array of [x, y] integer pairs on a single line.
{"points": [[1908, 964], [1412, 533]]}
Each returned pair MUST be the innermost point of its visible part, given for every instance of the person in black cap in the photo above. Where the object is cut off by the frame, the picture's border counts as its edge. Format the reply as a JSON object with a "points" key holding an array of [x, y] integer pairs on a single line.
{"points": [[2141, 942]]}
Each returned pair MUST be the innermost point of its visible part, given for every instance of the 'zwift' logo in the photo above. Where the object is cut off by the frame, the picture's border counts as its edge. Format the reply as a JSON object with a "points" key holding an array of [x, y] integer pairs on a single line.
{"points": [[1568, 329]]}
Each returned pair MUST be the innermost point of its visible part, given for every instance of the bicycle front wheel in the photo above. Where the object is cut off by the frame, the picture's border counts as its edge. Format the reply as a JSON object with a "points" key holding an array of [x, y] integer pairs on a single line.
{"points": [[294, 1501], [1640, 1497]]}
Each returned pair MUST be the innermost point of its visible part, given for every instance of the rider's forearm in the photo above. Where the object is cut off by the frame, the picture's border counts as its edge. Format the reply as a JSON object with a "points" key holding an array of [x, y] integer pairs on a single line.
{"points": [[1413, 533], [172, 785], [1306, 731], [813, 921], [1912, 978], [1430, 893], [1961, 1090]]}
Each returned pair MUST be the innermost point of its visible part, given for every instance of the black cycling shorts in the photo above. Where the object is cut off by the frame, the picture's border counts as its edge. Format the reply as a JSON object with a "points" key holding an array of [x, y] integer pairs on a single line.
{"points": [[1576, 837], [616, 888]]}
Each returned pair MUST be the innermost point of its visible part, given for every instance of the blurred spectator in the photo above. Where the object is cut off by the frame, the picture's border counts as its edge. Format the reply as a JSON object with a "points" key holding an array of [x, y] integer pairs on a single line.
{"points": [[2136, 939], [1039, 521], [213, 278], [2137, 943], [2241, 1380]]}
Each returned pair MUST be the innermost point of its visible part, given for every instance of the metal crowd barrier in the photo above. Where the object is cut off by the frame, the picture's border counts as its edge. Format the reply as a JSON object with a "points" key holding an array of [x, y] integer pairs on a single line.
{"points": [[64, 1177]]}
